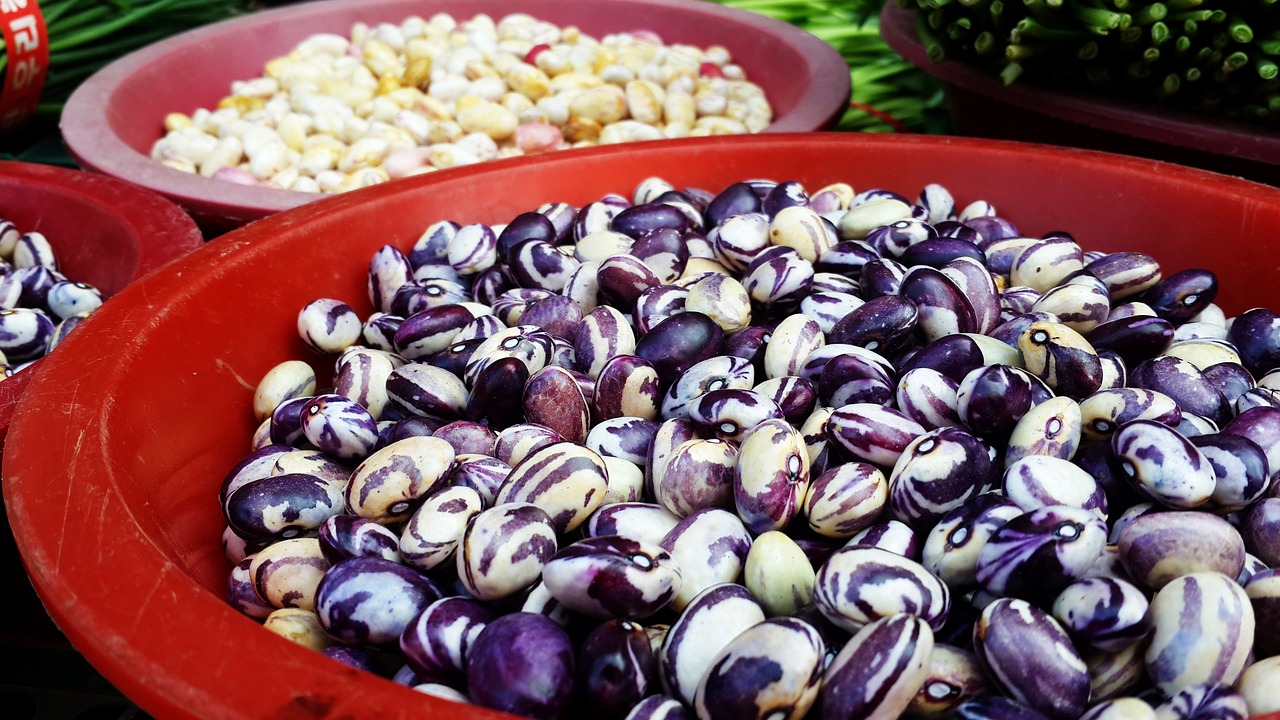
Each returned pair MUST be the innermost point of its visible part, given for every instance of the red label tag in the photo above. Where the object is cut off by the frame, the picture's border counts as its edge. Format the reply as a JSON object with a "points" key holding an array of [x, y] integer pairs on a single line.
{"points": [[26, 44]]}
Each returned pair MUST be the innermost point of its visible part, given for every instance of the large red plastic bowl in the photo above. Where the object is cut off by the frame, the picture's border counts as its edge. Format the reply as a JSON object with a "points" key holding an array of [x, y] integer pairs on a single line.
{"points": [[112, 479], [112, 120], [982, 106], [105, 232]]}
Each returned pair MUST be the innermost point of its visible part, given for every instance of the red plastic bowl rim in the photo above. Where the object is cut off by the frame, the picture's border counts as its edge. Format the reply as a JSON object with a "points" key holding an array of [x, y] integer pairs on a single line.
{"points": [[1204, 133], [164, 232], [148, 593], [95, 147]]}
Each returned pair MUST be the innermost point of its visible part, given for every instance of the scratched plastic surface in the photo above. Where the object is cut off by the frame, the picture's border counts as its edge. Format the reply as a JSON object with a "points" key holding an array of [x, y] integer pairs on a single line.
{"points": [[111, 479], [806, 80]]}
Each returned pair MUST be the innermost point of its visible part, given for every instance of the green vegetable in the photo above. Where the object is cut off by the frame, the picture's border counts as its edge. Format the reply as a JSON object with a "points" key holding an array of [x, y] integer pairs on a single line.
{"points": [[888, 92], [85, 35], [1210, 56]]}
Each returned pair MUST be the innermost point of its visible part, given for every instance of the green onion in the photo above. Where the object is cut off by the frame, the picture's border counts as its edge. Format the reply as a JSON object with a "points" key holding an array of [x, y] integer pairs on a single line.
{"points": [[1219, 56], [85, 35]]}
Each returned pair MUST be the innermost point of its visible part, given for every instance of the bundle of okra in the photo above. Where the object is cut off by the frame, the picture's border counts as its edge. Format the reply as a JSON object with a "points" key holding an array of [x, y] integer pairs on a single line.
{"points": [[1211, 56]]}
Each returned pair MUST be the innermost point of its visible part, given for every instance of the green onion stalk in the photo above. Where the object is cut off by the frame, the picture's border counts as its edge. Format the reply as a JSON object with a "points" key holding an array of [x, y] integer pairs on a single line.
{"points": [[1216, 57], [888, 93], [85, 35]]}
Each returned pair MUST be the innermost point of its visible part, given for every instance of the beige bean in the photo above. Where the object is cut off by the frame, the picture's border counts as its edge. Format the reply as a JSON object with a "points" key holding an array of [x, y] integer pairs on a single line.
{"points": [[582, 130], [678, 107], [644, 101], [605, 104], [489, 118], [529, 81]]}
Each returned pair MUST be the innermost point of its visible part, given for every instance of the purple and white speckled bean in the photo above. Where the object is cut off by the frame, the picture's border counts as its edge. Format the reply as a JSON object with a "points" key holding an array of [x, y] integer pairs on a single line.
{"points": [[1029, 655], [387, 485], [709, 546], [504, 549], [858, 585], [1202, 632], [707, 624], [612, 576], [879, 671], [431, 535], [567, 481], [771, 670]]}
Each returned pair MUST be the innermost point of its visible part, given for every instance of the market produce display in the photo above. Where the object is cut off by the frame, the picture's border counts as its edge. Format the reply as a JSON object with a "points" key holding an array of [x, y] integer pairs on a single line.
{"points": [[339, 113], [38, 304], [772, 450], [889, 93], [1210, 56]]}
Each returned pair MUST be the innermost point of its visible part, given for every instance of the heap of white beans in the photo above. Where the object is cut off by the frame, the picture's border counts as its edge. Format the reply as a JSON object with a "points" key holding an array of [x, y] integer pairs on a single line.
{"points": [[337, 114]]}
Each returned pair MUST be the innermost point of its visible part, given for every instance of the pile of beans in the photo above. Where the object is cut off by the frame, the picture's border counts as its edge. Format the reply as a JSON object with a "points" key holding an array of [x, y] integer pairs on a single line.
{"points": [[38, 304], [337, 114], [772, 453]]}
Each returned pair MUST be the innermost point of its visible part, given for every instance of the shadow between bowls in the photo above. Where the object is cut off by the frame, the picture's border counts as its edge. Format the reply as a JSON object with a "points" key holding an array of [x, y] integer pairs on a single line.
{"points": [[104, 231], [982, 106], [114, 117], [112, 480]]}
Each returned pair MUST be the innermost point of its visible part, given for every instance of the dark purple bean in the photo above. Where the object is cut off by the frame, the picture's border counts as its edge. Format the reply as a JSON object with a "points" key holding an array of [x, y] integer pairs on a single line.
{"points": [[955, 356], [1260, 527], [455, 358], [1135, 338], [937, 252], [1182, 295], [1256, 336], [737, 199], [525, 226], [883, 324], [678, 342], [551, 397], [522, 663], [615, 668], [493, 392], [637, 220], [467, 437]]}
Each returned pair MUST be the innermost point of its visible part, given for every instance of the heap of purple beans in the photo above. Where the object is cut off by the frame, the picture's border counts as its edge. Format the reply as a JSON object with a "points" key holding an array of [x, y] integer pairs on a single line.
{"points": [[39, 305], [776, 453]]}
